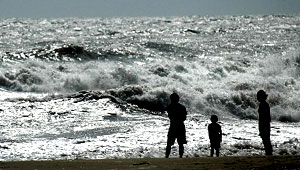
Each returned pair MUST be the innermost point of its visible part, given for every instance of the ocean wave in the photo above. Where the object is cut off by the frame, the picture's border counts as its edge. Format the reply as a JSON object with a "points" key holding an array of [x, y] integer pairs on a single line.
{"points": [[242, 106], [165, 47], [65, 53], [150, 86], [136, 95], [216, 64]]}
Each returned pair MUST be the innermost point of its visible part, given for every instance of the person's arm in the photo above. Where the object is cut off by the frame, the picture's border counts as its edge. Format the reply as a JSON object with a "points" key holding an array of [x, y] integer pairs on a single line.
{"points": [[185, 113], [209, 133], [220, 134], [269, 113], [169, 111]]}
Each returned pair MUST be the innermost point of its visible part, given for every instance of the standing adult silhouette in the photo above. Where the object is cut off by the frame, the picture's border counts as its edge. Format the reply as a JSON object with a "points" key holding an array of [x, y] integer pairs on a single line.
{"points": [[264, 121], [177, 115]]}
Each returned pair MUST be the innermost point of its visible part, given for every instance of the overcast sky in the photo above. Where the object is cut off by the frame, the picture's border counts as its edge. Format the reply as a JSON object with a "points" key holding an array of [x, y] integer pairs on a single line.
{"points": [[112, 8]]}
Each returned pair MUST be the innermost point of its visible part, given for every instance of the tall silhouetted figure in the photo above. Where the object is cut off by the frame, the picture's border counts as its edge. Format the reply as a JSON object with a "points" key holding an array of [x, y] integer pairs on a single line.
{"points": [[215, 135], [264, 121], [177, 115]]}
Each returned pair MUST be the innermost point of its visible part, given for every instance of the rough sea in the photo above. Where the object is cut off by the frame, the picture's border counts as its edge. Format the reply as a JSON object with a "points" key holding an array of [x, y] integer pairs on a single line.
{"points": [[95, 88]]}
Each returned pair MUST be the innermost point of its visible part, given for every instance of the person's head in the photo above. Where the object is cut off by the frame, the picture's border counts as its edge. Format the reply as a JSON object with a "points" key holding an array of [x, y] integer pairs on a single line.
{"points": [[214, 118], [261, 95], [174, 98]]}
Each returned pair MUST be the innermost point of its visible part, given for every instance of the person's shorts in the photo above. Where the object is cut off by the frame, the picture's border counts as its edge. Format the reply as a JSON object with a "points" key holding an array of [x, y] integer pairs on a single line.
{"points": [[215, 145], [176, 134]]}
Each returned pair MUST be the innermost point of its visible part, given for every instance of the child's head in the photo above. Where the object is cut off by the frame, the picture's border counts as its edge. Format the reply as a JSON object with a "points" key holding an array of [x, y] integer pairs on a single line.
{"points": [[214, 118], [261, 95]]}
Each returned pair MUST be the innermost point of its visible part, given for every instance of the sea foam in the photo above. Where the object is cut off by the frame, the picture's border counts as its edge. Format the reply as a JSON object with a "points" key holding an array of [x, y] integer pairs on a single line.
{"points": [[217, 68]]}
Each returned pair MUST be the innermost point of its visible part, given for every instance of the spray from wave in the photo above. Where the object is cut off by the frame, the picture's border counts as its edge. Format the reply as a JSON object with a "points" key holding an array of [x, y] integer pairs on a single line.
{"points": [[215, 64]]}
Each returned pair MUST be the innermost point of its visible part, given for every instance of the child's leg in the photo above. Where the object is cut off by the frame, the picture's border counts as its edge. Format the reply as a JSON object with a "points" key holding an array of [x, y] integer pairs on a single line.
{"points": [[168, 150], [211, 151], [181, 150]]}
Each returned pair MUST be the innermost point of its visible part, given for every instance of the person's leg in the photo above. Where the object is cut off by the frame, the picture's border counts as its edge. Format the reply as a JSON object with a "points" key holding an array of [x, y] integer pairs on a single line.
{"points": [[217, 151], [268, 146], [170, 142], [181, 150], [269, 149], [211, 151], [181, 140], [168, 150]]}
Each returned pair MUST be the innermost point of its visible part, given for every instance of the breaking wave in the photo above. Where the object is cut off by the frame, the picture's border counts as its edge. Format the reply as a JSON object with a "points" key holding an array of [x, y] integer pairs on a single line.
{"points": [[64, 53], [215, 64]]}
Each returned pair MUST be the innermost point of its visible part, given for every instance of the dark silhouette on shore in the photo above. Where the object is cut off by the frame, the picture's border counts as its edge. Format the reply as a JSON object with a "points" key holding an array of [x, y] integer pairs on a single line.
{"points": [[177, 115], [215, 136], [264, 121]]}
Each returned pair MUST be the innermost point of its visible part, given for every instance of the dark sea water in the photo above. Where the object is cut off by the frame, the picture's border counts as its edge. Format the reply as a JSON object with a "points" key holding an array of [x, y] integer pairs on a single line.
{"points": [[98, 87]]}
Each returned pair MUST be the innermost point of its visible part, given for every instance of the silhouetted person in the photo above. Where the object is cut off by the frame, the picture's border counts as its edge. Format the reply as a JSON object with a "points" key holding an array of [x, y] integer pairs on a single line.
{"points": [[215, 135], [264, 121], [177, 115]]}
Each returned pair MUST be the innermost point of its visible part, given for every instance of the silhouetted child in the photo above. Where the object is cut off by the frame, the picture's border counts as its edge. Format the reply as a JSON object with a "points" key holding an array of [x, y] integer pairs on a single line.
{"points": [[215, 136], [177, 115], [264, 121]]}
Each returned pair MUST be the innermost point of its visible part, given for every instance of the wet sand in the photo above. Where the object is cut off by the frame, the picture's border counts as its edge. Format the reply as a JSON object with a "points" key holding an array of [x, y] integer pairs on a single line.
{"points": [[273, 162]]}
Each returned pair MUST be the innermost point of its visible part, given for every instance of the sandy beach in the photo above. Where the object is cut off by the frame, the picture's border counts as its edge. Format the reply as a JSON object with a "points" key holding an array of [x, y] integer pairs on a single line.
{"points": [[272, 162]]}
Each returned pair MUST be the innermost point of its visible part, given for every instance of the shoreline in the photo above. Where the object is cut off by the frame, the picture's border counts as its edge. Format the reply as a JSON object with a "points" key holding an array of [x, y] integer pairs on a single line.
{"points": [[239, 162]]}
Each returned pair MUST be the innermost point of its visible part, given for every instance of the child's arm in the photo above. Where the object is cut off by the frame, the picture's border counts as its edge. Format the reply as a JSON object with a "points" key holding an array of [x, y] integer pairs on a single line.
{"points": [[209, 133]]}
